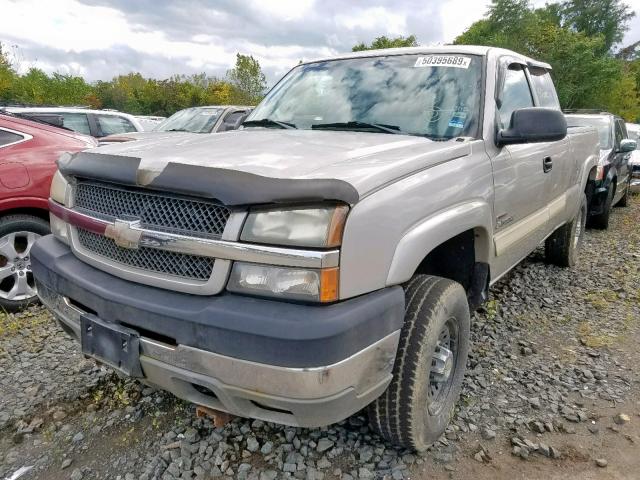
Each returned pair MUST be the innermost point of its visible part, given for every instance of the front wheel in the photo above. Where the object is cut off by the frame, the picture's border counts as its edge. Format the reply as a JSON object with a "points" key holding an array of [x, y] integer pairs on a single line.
{"points": [[429, 368], [601, 220], [18, 233], [562, 247]]}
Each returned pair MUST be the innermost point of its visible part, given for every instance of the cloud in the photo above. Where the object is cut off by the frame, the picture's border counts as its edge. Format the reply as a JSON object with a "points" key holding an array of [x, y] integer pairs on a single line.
{"points": [[159, 38]]}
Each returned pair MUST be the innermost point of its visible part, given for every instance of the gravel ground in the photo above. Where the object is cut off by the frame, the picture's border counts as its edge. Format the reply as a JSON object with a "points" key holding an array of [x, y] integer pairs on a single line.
{"points": [[552, 386]]}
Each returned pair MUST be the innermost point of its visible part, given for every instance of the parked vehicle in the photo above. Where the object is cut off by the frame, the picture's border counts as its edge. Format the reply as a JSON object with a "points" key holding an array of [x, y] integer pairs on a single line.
{"points": [[326, 256], [613, 176], [211, 119], [634, 133], [149, 122], [97, 123], [28, 154]]}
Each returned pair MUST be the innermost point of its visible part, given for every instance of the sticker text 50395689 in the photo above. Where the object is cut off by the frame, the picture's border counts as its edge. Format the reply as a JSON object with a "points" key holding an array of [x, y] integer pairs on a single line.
{"points": [[443, 61]]}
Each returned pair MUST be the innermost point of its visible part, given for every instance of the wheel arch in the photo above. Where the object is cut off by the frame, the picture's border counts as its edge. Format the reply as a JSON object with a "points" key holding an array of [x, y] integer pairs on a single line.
{"points": [[454, 244]]}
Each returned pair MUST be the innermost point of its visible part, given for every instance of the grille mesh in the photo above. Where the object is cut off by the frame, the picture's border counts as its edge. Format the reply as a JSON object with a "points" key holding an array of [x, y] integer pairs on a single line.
{"points": [[160, 261], [154, 210]]}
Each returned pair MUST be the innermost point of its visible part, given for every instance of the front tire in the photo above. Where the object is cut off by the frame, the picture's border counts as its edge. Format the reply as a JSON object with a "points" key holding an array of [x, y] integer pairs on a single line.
{"points": [[429, 368], [601, 221], [562, 247], [18, 233]]}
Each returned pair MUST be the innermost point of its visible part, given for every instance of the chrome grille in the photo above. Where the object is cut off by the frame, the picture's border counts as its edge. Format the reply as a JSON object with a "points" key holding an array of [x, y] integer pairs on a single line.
{"points": [[161, 261], [156, 211]]}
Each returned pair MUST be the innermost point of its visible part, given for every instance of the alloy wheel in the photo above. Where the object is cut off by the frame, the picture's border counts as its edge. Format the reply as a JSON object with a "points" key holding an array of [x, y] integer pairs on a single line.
{"points": [[16, 279]]}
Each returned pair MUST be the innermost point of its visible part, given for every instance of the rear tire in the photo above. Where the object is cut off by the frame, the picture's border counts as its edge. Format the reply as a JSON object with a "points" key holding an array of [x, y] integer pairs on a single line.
{"points": [[17, 234], [601, 221], [562, 247], [429, 368]]}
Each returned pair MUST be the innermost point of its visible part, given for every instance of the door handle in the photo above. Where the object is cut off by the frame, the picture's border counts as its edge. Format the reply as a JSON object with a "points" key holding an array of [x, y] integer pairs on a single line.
{"points": [[547, 164]]}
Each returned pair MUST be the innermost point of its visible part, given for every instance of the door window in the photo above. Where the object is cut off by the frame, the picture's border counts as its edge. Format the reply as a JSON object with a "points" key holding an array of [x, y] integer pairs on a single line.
{"points": [[515, 94], [619, 133], [112, 124], [78, 122], [7, 138]]}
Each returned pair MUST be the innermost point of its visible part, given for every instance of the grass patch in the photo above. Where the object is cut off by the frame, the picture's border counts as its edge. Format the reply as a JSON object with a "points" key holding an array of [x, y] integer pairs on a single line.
{"points": [[592, 339]]}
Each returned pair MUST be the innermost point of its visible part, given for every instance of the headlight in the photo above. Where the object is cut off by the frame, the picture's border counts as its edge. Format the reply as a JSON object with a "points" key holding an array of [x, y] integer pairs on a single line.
{"points": [[59, 188], [284, 282], [301, 227], [59, 228]]}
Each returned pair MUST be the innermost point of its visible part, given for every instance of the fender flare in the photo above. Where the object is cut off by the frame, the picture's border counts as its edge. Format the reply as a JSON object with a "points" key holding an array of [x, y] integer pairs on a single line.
{"points": [[424, 236]]}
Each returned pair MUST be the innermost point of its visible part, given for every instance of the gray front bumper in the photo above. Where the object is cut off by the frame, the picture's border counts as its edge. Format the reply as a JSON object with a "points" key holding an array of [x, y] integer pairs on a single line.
{"points": [[306, 397]]}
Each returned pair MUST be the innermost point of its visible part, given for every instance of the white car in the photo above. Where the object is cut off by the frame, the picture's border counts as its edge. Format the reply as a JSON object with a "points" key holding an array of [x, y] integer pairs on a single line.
{"points": [[633, 130], [97, 123], [205, 119], [149, 122]]}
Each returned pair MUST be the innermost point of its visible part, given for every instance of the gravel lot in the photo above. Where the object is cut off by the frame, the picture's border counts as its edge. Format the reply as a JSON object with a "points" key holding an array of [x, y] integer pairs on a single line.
{"points": [[552, 391]]}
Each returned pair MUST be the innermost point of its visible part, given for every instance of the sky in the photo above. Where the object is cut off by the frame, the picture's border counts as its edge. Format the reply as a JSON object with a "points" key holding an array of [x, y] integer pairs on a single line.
{"points": [[99, 39]]}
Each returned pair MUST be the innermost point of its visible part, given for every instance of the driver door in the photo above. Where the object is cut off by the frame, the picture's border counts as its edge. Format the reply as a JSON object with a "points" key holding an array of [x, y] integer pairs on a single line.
{"points": [[520, 178]]}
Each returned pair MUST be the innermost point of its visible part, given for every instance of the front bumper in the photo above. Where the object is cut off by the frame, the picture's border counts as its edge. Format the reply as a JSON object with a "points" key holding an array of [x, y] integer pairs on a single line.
{"points": [[266, 374]]}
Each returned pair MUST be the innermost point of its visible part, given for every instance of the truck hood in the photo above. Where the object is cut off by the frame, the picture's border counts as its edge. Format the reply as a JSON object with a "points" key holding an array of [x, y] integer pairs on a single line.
{"points": [[364, 160]]}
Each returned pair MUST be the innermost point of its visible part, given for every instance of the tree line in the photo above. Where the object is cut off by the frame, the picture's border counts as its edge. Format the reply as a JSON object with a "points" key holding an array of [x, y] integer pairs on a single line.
{"points": [[244, 84], [580, 39]]}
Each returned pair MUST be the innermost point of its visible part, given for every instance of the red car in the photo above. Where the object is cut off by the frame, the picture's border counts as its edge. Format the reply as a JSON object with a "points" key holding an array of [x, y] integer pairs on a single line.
{"points": [[28, 154]]}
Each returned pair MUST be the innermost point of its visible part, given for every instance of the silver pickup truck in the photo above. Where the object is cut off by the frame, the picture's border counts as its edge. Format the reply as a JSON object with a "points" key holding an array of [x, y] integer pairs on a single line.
{"points": [[325, 257]]}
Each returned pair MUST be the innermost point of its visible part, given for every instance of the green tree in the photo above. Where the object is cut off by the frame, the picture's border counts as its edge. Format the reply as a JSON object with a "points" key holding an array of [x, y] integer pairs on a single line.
{"points": [[7, 75], [385, 42], [247, 78], [582, 71], [608, 18]]}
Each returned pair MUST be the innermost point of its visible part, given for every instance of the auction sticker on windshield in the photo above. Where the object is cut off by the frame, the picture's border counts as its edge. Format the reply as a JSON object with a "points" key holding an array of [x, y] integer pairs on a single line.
{"points": [[443, 61]]}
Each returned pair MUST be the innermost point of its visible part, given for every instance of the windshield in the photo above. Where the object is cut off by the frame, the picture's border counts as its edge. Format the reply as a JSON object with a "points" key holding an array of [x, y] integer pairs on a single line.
{"points": [[603, 124], [437, 96], [196, 120]]}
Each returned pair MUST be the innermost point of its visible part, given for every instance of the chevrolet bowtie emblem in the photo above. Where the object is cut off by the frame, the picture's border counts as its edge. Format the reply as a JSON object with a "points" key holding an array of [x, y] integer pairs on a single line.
{"points": [[123, 233]]}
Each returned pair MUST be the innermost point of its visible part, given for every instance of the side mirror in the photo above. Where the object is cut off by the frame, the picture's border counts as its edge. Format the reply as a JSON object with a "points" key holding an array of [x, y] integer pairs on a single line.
{"points": [[627, 145], [534, 124]]}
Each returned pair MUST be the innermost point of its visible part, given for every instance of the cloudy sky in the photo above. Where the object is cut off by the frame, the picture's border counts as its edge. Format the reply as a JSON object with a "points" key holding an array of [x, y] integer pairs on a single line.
{"points": [[99, 39]]}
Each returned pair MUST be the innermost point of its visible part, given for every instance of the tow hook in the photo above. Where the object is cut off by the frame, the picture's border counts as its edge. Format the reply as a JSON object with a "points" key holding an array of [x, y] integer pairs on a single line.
{"points": [[219, 419]]}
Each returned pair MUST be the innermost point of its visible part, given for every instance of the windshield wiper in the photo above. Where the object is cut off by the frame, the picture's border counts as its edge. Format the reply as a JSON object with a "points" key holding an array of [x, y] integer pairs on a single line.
{"points": [[268, 122], [357, 126], [177, 130]]}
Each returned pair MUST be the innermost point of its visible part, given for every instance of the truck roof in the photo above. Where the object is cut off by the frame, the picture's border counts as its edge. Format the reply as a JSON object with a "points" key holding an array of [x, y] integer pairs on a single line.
{"points": [[456, 49]]}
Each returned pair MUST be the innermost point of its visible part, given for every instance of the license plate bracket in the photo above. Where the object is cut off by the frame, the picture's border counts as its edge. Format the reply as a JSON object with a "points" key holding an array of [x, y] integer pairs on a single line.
{"points": [[112, 344]]}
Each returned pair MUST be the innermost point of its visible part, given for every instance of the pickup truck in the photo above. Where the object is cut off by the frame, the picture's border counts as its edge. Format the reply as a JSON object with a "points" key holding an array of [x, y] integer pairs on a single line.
{"points": [[325, 257]]}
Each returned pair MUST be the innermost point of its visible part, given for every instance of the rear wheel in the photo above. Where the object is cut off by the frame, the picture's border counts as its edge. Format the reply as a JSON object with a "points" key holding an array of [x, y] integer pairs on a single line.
{"points": [[562, 247], [601, 221], [429, 367], [18, 233]]}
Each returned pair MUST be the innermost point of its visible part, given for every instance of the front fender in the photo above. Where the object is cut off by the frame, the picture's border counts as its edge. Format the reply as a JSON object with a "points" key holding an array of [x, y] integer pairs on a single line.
{"points": [[436, 229]]}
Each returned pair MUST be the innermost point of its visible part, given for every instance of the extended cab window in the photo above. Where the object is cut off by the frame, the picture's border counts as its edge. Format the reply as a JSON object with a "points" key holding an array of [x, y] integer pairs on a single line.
{"points": [[78, 122], [431, 95], [7, 138], [112, 124], [543, 86], [515, 94]]}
